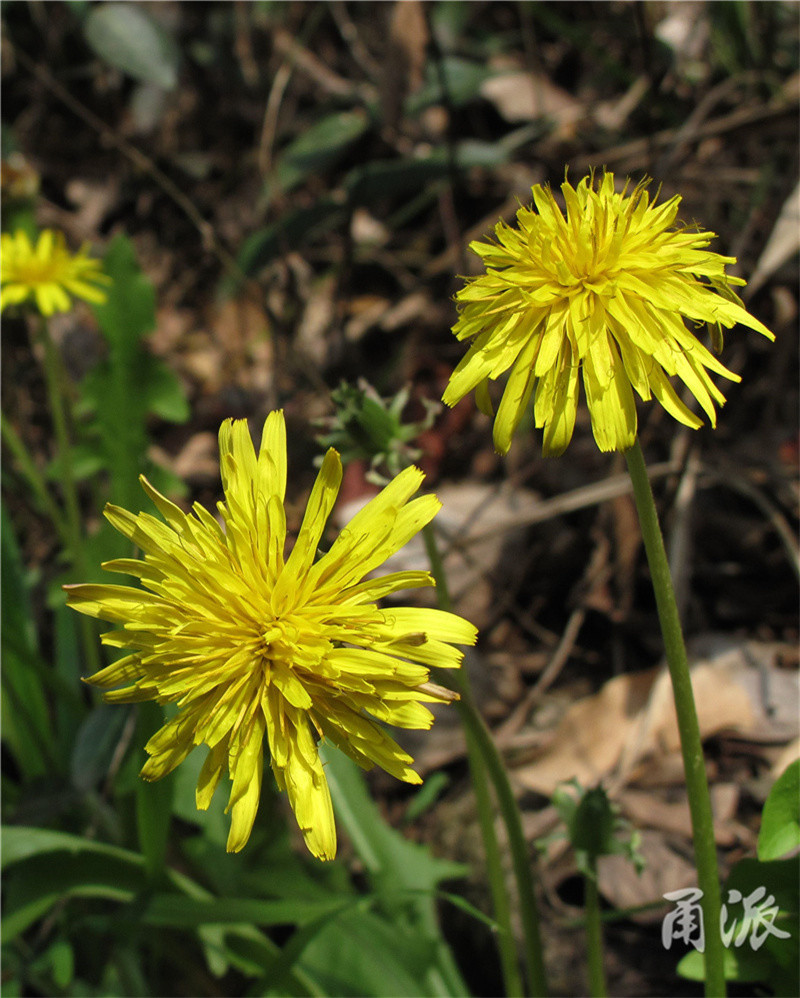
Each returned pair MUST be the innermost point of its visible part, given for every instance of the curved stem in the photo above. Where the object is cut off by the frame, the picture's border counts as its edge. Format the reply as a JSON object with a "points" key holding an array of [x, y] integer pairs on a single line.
{"points": [[594, 935], [72, 512], [484, 758], [34, 478], [691, 744], [494, 864]]}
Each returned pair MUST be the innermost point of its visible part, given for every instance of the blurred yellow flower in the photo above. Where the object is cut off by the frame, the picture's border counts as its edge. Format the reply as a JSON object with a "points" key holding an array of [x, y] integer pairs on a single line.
{"points": [[605, 289], [250, 645], [47, 272]]}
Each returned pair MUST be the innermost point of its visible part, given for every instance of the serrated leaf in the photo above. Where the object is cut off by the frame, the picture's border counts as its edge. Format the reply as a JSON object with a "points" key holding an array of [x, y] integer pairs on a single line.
{"points": [[129, 39], [124, 388], [130, 308]]}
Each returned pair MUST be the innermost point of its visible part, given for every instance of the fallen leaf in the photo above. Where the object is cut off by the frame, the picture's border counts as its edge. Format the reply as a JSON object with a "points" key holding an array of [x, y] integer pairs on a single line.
{"points": [[782, 245], [525, 96], [665, 870], [197, 462], [632, 718], [476, 525], [647, 809]]}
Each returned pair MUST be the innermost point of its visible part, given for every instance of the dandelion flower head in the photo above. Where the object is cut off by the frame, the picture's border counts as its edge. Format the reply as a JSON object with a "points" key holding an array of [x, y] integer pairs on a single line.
{"points": [[252, 646], [603, 289], [47, 272]]}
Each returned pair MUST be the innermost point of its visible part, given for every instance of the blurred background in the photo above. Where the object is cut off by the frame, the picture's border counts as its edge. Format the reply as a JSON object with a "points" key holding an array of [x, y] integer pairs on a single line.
{"points": [[299, 183]]}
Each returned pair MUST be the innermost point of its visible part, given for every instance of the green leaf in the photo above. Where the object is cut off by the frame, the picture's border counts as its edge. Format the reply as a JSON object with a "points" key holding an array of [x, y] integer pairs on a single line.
{"points": [[164, 393], [777, 962], [780, 877], [362, 954], [318, 147], [404, 875], [395, 178], [41, 877], [394, 863], [187, 913], [59, 961], [129, 39], [21, 843], [69, 705], [26, 725], [462, 78], [212, 820], [42, 867], [426, 796], [153, 800], [780, 819], [291, 231], [17, 620], [95, 743], [122, 390], [130, 308], [86, 462]]}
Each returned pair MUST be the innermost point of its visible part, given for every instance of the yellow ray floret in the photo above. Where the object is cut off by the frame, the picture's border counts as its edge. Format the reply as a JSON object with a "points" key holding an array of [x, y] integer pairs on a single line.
{"points": [[603, 291], [47, 272], [255, 647]]}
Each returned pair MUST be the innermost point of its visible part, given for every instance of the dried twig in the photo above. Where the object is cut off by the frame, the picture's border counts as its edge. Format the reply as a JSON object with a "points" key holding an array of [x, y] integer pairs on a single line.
{"points": [[142, 162]]}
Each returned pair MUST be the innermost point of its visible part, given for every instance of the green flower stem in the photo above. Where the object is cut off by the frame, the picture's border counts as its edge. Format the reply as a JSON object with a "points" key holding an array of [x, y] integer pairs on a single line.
{"points": [[497, 880], [497, 883], [691, 745], [72, 513], [594, 935], [484, 758], [34, 478]]}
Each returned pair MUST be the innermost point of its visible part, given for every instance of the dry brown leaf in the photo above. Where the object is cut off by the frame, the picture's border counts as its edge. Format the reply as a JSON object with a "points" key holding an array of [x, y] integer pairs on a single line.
{"points": [[783, 243], [646, 809], [632, 718], [237, 321], [404, 60], [588, 742], [319, 316], [475, 525], [785, 759], [665, 870], [197, 462], [524, 96]]}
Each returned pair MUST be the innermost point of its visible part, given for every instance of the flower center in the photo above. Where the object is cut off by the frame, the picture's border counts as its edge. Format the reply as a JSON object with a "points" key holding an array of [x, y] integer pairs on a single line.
{"points": [[280, 639], [35, 271], [295, 641]]}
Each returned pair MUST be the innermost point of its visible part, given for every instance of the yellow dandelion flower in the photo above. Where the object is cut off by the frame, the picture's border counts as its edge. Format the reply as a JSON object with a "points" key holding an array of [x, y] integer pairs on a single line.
{"points": [[604, 289], [250, 644], [47, 272]]}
